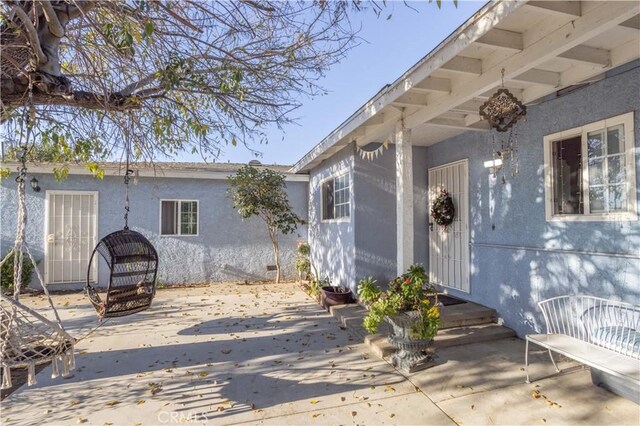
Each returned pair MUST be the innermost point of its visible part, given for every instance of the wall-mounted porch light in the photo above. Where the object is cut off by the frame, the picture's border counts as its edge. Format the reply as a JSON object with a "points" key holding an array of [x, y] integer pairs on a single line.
{"points": [[35, 184]]}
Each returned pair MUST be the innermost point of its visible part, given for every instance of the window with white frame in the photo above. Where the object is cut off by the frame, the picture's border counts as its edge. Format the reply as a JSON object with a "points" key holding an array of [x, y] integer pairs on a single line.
{"points": [[590, 171], [336, 198], [178, 217]]}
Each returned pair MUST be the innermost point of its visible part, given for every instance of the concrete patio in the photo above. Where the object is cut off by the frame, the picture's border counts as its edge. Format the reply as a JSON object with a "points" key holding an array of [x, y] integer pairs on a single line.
{"points": [[249, 354]]}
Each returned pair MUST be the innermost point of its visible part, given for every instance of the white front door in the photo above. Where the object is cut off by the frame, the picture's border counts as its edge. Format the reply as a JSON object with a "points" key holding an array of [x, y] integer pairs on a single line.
{"points": [[71, 230], [449, 248]]}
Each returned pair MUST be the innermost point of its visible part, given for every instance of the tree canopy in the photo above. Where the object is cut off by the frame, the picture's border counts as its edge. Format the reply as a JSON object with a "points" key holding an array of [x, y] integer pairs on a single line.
{"points": [[168, 76], [262, 193]]}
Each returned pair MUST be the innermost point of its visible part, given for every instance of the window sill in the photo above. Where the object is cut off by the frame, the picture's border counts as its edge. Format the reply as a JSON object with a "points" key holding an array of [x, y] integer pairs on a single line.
{"points": [[178, 235], [611, 217], [341, 220]]}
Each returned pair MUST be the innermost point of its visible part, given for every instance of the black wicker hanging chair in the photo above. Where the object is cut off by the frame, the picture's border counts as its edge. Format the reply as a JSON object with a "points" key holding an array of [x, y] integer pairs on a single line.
{"points": [[133, 265]]}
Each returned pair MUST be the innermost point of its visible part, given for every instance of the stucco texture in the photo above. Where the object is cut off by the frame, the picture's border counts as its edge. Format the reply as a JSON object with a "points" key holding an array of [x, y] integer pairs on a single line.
{"points": [[542, 261], [225, 249]]}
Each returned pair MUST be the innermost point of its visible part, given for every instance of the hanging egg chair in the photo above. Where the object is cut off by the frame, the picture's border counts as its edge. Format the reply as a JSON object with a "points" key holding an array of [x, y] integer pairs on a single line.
{"points": [[133, 265], [27, 338]]}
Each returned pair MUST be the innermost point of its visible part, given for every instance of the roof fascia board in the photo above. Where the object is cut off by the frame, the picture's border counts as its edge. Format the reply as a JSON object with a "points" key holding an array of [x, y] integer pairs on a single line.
{"points": [[110, 171], [475, 27]]}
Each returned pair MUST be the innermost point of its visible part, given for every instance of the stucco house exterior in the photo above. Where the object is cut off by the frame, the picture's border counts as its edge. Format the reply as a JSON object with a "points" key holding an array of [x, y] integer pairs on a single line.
{"points": [[182, 208], [558, 216], [561, 214]]}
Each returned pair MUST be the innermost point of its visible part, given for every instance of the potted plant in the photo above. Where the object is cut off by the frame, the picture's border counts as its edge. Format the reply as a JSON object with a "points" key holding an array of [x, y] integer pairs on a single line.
{"points": [[410, 307], [335, 295], [303, 263]]}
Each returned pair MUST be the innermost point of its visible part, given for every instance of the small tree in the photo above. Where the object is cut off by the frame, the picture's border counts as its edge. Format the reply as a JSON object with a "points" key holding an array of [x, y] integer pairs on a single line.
{"points": [[261, 192]]}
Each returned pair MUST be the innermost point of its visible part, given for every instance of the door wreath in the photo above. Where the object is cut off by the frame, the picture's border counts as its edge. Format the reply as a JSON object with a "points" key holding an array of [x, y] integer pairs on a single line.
{"points": [[442, 210]]}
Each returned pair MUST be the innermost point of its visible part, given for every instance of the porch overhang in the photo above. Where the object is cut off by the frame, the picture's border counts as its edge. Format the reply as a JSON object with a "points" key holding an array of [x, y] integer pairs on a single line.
{"points": [[540, 46]]}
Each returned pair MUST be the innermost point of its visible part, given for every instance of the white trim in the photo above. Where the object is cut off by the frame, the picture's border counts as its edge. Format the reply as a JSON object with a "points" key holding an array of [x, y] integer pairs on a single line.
{"points": [[96, 218], [179, 201], [146, 172], [627, 120], [342, 172]]}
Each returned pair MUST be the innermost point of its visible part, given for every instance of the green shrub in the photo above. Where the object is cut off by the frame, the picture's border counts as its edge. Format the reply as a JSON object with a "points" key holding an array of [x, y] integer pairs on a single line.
{"points": [[6, 273]]}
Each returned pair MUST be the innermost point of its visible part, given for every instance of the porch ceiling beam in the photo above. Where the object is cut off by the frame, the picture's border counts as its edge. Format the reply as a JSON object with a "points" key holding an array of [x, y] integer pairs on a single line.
{"points": [[502, 39], [458, 124], [375, 120], [411, 100], [486, 95], [471, 106], [433, 85], [596, 21], [463, 65], [537, 76], [564, 8], [588, 55]]}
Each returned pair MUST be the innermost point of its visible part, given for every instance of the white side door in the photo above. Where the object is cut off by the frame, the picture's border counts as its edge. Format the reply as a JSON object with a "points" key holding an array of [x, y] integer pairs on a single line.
{"points": [[70, 235], [449, 249]]}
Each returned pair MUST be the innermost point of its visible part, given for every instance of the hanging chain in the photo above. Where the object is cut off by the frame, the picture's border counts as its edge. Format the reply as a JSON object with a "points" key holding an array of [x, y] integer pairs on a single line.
{"points": [[127, 175]]}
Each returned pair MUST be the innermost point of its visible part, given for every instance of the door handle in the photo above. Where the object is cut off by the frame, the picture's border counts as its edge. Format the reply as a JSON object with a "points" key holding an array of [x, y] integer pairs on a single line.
{"points": [[51, 238]]}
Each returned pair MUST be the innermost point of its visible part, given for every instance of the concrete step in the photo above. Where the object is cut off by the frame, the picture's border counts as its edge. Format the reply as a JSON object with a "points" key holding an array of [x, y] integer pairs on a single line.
{"points": [[379, 344], [466, 314]]}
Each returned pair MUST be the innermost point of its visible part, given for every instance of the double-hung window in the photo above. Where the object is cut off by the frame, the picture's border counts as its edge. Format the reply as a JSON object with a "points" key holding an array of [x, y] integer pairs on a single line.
{"points": [[178, 217], [336, 197], [590, 171]]}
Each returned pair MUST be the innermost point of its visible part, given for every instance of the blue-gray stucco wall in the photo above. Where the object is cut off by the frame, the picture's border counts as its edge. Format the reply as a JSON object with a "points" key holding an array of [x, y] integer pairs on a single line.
{"points": [[226, 248], [513, 280], [332, 241], [541, 261]]}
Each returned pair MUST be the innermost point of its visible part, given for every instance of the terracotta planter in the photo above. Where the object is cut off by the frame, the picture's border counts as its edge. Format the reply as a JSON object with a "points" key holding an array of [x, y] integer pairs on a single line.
{"points": [[411, 353], [335, 295]]}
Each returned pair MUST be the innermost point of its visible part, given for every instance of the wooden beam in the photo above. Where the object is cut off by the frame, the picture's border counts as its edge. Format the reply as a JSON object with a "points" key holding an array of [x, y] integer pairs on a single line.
{"points": [[411, 99], [457, 124], [464, 65], [537, 76], [594, 22], [502, 39], [433, 85], [588, 55], [472, 106], [486, 95], [375, 120], [564, 8]]}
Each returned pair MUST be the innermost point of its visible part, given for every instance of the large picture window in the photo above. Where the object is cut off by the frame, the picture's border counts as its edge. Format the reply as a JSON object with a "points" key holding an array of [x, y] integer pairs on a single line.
{"points": [[178, 217], [590, 171], [336, 198]]}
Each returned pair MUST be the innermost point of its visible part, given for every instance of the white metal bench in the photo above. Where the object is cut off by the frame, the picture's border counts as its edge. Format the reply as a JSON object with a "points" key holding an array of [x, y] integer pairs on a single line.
{"points": [[603, 334]]}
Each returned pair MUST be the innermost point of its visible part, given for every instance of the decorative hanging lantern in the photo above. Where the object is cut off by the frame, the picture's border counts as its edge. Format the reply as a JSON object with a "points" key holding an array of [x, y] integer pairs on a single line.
{"points": [[503, 111]]}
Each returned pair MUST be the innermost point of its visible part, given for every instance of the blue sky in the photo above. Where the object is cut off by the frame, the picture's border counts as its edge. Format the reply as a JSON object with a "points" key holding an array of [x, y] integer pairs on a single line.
{"points": [[391, 46]]}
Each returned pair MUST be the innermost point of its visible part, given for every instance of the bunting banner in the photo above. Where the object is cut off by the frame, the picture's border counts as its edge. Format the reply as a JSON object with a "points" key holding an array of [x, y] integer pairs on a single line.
{"points": [[371, 155]]}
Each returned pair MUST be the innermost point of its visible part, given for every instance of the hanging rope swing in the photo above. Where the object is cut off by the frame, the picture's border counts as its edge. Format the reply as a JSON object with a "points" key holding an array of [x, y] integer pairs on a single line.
{"points": [[133, 266], [27, 338]]}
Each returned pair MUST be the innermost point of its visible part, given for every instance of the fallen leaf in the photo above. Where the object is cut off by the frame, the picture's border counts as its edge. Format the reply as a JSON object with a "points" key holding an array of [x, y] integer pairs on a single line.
{"points": [[354, 413], [315, 415], [536, 394], [226, 351], [342, 398], [389, 388], [81, 420], [392, 415], [314, 401], [140, 402], [203, 374], [74, 402], [112, 403]]}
